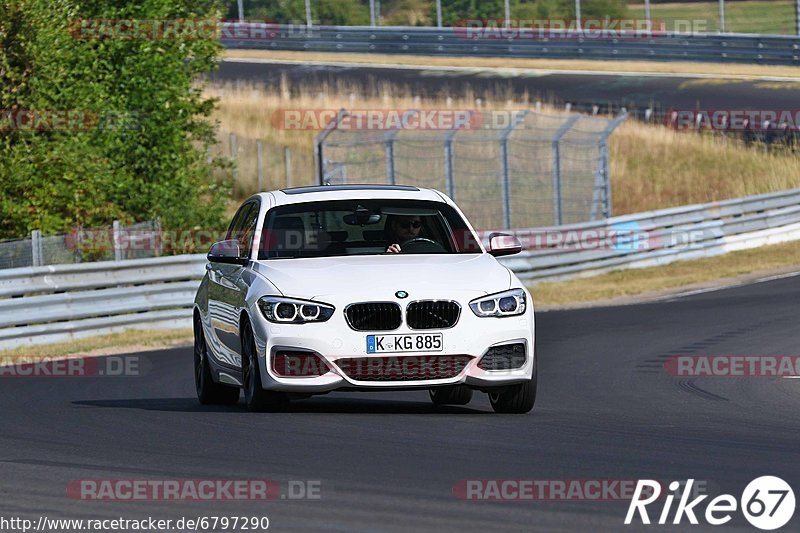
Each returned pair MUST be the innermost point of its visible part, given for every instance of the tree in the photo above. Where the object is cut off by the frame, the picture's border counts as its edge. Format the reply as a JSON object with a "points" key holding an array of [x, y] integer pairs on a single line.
{"points": [[137, 147]]}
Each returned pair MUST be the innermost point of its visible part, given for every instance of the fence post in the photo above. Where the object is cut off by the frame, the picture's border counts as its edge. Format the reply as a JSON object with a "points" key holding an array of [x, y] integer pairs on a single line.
{"points": [[77, 255], [603, 176], [606, 181], [448, 163], [115, 239], [36, 247], [259, 154], [389, 138], [557, 199], [233, 155], [505, 177], [722, 16], [159, 242], [287, 165], [319, 144], [390, 175]]}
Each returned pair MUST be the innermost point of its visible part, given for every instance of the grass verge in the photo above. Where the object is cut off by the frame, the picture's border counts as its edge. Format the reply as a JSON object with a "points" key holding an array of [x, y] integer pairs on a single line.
{"points": [[650, 282], [126, 342], [725, 70], [652, 167], [773, 17]]}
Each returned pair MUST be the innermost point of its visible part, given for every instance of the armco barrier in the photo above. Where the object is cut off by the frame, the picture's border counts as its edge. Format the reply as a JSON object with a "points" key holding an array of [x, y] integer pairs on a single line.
{"points": [[657, 237], [61, 302], [663, 46]]}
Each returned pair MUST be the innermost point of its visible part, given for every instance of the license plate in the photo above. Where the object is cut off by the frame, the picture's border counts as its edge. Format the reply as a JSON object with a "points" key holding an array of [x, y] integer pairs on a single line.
{"points": [[428, 342]]}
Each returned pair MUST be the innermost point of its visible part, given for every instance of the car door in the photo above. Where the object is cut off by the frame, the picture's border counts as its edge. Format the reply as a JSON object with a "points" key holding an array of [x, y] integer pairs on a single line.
{"points": [[226, 290]]}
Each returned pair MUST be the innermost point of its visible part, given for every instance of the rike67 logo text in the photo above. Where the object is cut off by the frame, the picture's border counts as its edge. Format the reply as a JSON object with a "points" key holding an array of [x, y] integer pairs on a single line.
{"points": [[767, 503]]}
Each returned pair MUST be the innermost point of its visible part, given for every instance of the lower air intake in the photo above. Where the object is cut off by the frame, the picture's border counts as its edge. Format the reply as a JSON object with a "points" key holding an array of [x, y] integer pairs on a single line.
{"points": [[505, 357], [404, 367]]}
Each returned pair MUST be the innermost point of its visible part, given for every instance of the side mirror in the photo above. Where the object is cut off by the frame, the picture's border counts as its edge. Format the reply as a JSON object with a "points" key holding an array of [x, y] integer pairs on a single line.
{"points": [[227, 252], [503, 244]]}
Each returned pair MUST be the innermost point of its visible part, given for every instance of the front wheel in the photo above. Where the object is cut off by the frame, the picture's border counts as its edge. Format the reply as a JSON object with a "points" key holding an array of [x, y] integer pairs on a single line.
{"points": [[519, 398], [255, 397], [208, 392]]}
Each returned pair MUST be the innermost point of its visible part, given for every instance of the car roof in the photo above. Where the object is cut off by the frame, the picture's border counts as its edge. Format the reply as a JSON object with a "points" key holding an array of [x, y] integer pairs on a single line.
{"points": [[321, 193]]}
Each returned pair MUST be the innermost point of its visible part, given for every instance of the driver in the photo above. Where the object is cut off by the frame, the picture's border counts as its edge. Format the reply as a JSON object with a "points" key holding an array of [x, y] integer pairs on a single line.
{"points": [[402, 229]]}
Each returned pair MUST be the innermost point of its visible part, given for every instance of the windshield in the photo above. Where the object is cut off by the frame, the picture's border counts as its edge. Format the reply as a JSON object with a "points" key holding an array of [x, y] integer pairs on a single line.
{"points": [[364, 227]]}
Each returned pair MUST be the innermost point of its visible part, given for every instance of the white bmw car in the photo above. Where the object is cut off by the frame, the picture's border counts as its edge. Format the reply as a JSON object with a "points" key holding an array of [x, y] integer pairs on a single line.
{"points": [[361, 287]]}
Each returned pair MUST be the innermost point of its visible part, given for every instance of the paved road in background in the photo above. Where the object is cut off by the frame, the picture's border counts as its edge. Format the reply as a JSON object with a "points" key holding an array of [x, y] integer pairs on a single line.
{"points": [[388, 462], [597, 89]]}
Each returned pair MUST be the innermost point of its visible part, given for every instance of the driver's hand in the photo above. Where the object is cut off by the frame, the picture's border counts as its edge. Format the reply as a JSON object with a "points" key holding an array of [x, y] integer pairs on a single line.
{"points": [[393, 249]]}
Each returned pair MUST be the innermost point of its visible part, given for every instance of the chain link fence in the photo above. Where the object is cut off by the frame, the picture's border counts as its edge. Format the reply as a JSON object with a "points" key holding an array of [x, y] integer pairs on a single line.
{"points": [[115, 243], [516, 170]]}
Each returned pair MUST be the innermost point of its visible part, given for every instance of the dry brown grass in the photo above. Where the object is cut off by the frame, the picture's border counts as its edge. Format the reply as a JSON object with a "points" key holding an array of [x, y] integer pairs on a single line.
{"points": [[116, 343], [654, 167], [651, 166], [247, 111], [641, 281]]}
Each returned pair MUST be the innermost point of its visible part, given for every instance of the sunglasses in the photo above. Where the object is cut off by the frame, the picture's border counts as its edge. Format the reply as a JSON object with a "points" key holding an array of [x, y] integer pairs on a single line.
{"points": [[406, 225]]}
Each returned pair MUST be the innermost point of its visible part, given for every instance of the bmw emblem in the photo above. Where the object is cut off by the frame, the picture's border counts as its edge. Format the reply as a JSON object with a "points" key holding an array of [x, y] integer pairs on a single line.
{"points": [[401, 294]]}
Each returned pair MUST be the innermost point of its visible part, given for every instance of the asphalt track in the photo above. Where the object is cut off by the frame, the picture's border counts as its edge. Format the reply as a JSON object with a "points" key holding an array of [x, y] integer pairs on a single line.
{"points": [[634, 92], [388, 461]]}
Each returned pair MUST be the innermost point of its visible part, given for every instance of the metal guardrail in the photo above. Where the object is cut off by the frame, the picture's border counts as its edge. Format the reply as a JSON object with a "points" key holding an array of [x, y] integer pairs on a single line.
{"points": [[656, 237], [58, 303], [62, 302], [661, 46]]}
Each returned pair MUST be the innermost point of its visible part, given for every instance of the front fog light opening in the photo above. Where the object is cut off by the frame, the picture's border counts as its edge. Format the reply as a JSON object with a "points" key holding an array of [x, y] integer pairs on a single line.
{"points": [[296, 364], [505, 357]]}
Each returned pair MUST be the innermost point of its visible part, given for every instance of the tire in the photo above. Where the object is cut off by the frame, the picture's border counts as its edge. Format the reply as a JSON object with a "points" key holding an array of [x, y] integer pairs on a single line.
{"points": [[255, 397], [208, 391], [519, 398], [452, 395]]}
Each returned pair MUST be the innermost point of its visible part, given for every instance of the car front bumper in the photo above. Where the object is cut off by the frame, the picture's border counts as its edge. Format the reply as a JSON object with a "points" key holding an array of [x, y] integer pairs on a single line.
{"points": [[335, 343]]}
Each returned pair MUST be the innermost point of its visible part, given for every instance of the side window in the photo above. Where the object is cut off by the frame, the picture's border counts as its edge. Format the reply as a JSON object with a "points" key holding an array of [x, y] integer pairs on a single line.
{"points": [[243, 226], [249, 227], [234, 230]]}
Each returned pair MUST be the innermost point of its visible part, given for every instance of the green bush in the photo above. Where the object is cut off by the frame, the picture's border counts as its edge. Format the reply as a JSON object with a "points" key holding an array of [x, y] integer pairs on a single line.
{"points": [[141, 151]]}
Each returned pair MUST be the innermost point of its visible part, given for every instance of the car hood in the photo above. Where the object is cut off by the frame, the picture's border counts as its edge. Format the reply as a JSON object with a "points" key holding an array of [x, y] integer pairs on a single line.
{"points": [[380, 276]]}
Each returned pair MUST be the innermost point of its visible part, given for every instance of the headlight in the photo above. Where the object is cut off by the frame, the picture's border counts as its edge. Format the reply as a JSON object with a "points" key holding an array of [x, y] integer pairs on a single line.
{"points": [[507, 303], [292, 311]]}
